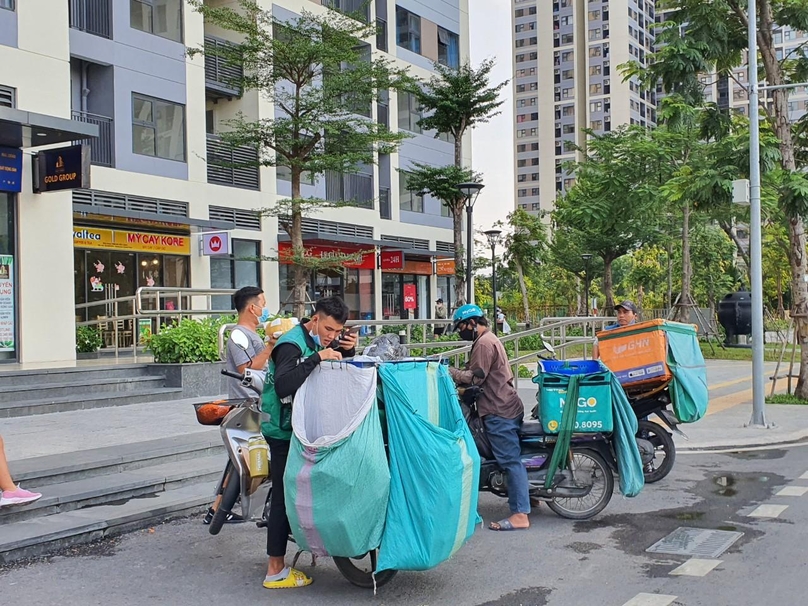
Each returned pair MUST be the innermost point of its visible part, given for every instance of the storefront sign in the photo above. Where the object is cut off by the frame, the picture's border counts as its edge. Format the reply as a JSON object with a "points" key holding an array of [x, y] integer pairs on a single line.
{"points": [[132, 241], [216, 244], [62, 168], [367, 259], [6, 303], [446, 267], [418, 268], [10, 169], [410, 296], [392, 259]]}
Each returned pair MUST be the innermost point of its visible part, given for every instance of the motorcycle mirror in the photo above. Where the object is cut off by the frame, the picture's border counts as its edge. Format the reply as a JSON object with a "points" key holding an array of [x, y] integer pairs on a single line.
{"points": [[240, 339], [547, 347]]}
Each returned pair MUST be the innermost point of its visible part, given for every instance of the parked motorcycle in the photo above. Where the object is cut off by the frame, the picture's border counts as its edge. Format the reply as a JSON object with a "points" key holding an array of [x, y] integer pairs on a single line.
{"points": [[240, 425], [579, 492]]}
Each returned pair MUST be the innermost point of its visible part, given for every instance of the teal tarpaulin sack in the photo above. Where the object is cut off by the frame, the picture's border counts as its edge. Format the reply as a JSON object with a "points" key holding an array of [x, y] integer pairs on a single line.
{"points": [[434, 468], [629, 461], [688, 388], [337, 479]]}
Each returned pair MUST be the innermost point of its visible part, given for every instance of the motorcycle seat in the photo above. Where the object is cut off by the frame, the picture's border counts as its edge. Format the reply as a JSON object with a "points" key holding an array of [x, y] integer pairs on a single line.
{"points": [[531, 429]]}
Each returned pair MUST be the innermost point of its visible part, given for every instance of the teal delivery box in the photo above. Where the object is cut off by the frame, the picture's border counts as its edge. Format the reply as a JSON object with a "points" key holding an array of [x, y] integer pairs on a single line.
{"points": [[594, 395]]}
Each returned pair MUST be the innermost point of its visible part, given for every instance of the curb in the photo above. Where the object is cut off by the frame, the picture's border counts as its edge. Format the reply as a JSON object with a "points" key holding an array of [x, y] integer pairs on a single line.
{"points": [[792, 439]]}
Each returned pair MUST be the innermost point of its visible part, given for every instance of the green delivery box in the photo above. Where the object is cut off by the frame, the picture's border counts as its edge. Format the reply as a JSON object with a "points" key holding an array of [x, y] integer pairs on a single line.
{"points": [[594, 395]]}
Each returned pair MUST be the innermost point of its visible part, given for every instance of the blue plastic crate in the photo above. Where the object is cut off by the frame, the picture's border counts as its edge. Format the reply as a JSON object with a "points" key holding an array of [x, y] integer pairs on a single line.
{"points": [[570, 367]]}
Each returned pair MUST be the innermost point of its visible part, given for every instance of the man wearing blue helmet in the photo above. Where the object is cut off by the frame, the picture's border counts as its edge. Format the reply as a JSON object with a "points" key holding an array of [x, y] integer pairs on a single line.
{"points": [[499, 406]]}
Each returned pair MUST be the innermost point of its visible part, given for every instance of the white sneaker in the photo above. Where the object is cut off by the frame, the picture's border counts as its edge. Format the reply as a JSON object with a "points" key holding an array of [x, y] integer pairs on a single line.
{"points": [[18, 496]]}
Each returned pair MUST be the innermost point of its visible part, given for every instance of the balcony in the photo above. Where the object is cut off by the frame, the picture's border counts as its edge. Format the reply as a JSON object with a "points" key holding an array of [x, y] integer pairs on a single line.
{"points": [[102, 149], [222, 75], [359, 9], [353, 189], [385, 208], [232, 166], [92, 16]]}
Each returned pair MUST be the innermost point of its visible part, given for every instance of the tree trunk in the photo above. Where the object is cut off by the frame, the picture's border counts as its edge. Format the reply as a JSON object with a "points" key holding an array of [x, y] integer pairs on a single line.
{"points": [[733, 235], [520, 273], [669, 293], [300, 273], [640, 296], [607, 285], [460, 256], [686, 298], [796, 227], [781, 312]]}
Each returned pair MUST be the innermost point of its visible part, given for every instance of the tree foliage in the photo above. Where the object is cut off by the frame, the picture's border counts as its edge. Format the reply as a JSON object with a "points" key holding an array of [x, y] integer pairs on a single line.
{"points": [[318, 73]]}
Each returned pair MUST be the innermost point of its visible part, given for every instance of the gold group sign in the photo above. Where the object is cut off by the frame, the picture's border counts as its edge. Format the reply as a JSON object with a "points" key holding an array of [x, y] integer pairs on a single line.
{"points": [[132, 241]]}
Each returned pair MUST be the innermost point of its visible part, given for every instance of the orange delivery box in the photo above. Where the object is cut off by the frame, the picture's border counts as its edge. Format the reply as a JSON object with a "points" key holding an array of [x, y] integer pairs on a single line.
{"points": [[637, 354]]}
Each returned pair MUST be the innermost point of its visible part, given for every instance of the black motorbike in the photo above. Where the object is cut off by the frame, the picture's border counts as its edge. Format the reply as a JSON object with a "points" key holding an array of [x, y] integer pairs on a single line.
{"points": [[579, 491]]}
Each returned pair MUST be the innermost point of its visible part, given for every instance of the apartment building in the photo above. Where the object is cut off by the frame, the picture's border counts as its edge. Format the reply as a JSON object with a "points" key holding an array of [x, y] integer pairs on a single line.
{"points": [[115, 74], [566, 54]]}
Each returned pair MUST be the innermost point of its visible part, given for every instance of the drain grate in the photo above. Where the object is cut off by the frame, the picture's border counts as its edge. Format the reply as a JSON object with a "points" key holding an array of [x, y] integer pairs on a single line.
{"points": [[696, 542]]}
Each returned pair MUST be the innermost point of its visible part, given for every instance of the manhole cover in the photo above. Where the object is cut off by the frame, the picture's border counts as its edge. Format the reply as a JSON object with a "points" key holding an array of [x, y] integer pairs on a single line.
{"points": [[696, 542]]}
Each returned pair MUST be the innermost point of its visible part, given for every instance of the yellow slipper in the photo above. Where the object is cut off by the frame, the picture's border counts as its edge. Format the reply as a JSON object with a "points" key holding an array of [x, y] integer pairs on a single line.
{"points": [[295, 578]]}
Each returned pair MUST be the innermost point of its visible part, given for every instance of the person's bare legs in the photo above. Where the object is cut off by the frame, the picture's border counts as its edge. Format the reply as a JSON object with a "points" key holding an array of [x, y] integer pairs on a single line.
{"points": [[6, 483]]}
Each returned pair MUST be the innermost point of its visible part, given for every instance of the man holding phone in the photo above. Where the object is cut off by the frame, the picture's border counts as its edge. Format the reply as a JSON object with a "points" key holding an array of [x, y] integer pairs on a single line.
{"points": [[295, 356]]}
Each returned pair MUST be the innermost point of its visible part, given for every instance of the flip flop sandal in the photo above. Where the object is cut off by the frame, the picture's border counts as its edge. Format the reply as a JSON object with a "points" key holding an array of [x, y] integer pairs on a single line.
{"points": [[505, 525], [295, 578]]}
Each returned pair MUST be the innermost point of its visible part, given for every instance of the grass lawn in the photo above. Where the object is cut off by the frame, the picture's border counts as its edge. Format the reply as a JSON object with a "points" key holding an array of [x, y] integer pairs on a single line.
{"points": [[782, 398], [770, 354]]}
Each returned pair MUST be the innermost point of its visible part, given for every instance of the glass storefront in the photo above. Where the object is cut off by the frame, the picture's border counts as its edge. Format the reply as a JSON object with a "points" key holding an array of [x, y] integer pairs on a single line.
{"points": [[242, 268], [393, 287], [8, 282], [355, 286]]}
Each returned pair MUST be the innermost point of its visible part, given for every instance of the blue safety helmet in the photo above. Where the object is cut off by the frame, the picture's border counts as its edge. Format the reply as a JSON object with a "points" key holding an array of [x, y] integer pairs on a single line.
{"points": [[466, 312]]}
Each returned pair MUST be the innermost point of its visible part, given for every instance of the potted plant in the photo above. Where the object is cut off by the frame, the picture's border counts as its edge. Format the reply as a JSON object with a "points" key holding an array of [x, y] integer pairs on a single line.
{"points": [[187, 353], [88, 342]]}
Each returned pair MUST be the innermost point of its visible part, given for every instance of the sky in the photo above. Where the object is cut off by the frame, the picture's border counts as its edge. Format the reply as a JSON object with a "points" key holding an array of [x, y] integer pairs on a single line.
{"points": [[492, 143]]}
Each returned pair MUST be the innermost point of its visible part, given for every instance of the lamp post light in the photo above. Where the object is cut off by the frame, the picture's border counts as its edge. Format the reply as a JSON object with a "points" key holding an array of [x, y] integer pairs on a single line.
{"points": [[470, 191], [493, 238], [587, 258]]}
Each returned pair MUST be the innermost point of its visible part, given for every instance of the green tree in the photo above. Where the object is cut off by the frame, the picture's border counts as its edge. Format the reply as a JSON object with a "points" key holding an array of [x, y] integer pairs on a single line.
{"points": [[614, 203], [318, 74], [710, 37], [441, 182], [525, 243], [647, 271], [455, 100]]}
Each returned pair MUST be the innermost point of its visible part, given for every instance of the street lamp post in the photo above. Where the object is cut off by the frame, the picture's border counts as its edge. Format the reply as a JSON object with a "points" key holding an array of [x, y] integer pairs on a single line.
{"points": [[755, 252], [493, 238], [470, 191], [587, 258]]}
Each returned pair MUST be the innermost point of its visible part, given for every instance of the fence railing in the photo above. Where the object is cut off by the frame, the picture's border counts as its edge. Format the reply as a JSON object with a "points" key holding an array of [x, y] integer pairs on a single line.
{"points": [[232, 166], [92, 16], [102, 148]]}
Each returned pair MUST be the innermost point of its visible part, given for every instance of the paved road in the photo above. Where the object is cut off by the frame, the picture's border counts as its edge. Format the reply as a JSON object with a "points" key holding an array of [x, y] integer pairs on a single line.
{"points": [[556, 563]]}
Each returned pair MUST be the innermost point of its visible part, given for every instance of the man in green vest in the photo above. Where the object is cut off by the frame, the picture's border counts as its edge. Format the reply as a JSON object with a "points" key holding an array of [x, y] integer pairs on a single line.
{"points": [[295, 356]]}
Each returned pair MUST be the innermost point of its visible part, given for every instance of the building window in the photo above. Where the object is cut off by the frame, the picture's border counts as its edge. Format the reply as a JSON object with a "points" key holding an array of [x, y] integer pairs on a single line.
{"points": [[522, 193], [596, 125], [242, 268], [7, 4], [596, 106], [448, 48], [568, 110], [595, 51], [595, 89], [408, 30], [534, 206], [408, 200], [159, 17], [409, 114], [158, 128]]}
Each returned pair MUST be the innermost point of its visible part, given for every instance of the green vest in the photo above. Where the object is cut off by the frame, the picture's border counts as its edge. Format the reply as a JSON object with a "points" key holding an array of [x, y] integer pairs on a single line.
{"points": [[279, 425]]}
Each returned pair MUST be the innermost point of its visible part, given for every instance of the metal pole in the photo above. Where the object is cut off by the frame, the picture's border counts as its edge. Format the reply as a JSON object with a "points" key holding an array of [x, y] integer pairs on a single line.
{"points": [[494, 282], [469, 244], [758, 387], [586, 291]]}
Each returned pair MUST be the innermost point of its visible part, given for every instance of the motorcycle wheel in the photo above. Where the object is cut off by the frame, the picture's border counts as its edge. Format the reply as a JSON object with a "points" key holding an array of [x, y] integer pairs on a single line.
{"points": [[230, 496], [362, 576], [660, 439], [591, 469]]}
